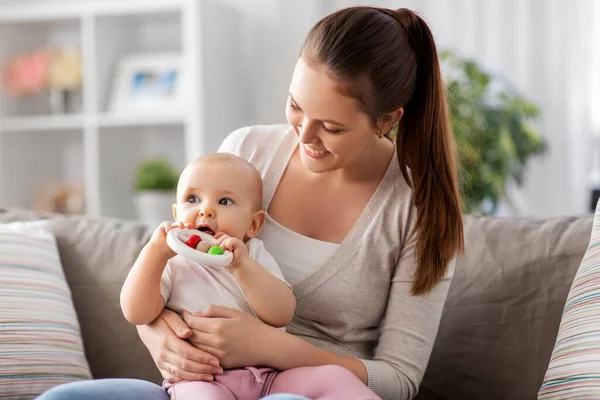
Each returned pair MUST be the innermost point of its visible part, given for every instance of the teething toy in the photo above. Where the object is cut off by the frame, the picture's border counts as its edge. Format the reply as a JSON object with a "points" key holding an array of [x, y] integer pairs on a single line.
{"points": [[180, 241]]}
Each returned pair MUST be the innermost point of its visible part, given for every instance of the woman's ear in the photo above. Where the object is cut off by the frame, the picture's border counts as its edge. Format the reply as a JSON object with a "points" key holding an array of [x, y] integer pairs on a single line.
{"points": [[256, 224], [387, 121]]}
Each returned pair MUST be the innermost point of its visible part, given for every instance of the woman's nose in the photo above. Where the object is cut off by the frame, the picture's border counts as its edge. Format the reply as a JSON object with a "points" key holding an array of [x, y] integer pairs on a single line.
{"points": [[307, 132]]}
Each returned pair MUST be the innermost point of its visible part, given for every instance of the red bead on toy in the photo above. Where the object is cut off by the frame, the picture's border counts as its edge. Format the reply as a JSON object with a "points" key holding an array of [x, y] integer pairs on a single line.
{"points": [[193, 240]]}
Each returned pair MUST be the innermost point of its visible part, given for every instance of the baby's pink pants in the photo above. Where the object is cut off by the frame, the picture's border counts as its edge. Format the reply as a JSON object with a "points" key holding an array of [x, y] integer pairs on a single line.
{"points": [[328, 382]]}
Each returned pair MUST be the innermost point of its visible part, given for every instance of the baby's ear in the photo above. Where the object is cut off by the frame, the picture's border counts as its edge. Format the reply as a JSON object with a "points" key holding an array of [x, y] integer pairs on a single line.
{"points": [[175, 212], [256, 224]]}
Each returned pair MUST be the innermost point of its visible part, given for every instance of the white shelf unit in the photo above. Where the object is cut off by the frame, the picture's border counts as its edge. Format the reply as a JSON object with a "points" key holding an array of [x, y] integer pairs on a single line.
{"points": [[96, 148]]}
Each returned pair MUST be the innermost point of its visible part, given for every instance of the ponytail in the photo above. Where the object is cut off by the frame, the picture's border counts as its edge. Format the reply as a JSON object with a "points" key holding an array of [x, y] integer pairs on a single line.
{"points": [[426, 145], [392, 63]]}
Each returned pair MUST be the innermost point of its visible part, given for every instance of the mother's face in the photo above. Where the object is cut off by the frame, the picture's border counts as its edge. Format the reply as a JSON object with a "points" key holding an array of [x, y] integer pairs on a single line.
{"points": [[332, 130]]}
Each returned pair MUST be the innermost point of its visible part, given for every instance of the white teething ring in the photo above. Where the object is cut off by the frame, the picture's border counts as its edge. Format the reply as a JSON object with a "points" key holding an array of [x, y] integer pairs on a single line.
{"points": [[176, 240]]}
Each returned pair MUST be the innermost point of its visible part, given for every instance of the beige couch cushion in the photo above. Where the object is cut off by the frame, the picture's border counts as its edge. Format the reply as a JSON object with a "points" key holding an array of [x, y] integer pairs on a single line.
{"points": [[503, 310], [96, 255]]}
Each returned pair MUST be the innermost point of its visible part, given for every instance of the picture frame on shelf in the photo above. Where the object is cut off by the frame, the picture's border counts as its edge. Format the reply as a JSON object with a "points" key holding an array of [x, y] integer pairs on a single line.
{"points": [[149, 83]]}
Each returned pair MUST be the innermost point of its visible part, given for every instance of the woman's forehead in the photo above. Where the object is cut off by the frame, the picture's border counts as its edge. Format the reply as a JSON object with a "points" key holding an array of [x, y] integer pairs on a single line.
{"points": [[318, 94]]}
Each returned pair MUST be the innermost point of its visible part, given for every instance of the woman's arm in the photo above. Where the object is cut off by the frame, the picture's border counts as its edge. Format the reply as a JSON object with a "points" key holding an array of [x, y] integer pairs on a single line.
{"points": [[288, 351], [271, 298], [408, 331], [238, 340]]}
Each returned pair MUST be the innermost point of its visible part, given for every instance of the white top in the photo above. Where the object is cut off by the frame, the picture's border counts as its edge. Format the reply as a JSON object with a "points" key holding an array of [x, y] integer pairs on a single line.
{"points": [[298, 255], [187, 285]]}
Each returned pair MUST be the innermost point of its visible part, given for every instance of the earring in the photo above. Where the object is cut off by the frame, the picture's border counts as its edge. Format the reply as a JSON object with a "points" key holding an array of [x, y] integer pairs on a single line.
{"points": [[394, 131]]}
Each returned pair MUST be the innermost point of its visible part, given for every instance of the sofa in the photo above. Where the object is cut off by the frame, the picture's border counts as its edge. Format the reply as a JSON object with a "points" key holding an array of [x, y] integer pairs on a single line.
{"points": [[496, 334]]}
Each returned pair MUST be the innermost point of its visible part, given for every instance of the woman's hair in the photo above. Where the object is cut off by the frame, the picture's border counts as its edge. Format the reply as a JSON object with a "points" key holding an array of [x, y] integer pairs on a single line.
{"points": [[387, 59]]}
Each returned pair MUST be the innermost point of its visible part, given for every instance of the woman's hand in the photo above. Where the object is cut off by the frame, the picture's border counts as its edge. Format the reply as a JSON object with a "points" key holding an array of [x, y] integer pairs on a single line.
{"points": [[176, 359], [237, 338]]}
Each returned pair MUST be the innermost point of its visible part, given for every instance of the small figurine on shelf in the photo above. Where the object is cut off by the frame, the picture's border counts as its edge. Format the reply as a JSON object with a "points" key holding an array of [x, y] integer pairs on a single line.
{"points": [[60, 198], [64, 82]]}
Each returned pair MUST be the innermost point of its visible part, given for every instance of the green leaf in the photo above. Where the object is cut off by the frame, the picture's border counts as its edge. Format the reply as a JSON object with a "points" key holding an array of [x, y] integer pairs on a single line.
{"points": [[492, 124]]}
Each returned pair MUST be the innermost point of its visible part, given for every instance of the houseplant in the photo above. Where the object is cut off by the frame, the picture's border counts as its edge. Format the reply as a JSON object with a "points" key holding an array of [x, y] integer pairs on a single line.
{"points": [[155, 187], [492, 124]]}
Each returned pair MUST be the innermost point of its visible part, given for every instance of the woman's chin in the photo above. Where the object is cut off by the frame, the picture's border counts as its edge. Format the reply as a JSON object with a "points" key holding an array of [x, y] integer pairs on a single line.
{"points": [[317, 165]]}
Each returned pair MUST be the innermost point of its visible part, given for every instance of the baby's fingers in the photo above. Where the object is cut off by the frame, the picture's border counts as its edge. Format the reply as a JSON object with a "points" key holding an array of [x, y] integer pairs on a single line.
{"points": [[228, 243], [164, 227], [222, 238], [218, 235], [177, 224]]}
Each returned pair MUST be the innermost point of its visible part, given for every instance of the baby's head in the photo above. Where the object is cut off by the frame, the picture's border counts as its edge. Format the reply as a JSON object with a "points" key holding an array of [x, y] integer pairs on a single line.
{"points": [[221, 193]]}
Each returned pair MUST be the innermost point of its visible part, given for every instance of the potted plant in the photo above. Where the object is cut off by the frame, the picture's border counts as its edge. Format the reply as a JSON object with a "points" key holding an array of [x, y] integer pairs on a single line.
{"points": [[492, 126], [155, 186]]}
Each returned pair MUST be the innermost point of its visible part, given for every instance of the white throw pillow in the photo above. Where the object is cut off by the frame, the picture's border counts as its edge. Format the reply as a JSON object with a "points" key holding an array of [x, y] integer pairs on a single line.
{"points": [[574, 370], [40, 341]]}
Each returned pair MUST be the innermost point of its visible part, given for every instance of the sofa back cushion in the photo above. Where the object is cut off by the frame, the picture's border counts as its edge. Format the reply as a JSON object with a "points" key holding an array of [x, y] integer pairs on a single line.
{"points": [[504, 307], [495, 338], [96, 255]]}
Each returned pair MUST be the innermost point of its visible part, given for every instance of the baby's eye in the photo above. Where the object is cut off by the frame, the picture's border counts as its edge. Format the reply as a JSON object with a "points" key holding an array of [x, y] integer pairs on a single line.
{"points": [[193, 199], [225, 201]]}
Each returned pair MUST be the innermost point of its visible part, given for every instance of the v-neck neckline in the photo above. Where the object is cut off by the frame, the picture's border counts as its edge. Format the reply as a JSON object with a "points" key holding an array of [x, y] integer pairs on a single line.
{"points": [[272, 178]]}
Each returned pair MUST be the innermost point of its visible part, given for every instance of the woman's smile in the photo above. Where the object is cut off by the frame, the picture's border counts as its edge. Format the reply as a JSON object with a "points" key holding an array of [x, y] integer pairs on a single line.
{"points": [[312, 152]]}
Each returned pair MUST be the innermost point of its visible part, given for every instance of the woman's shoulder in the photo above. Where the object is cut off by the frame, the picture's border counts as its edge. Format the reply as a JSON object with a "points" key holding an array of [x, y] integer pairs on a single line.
{"points": [[255, 142]]}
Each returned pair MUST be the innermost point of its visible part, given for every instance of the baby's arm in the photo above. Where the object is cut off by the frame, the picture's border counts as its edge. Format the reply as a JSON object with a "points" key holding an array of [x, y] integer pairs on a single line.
{"points": [[271, 298], [141, 300]]}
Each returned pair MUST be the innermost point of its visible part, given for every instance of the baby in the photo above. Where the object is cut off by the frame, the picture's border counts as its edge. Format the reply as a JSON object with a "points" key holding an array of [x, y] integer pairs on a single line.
{"points": [[219, 194]]}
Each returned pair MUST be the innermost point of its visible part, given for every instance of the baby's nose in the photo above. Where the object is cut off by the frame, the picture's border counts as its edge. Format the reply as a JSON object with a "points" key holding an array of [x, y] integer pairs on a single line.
{"points": [[207, 212]]}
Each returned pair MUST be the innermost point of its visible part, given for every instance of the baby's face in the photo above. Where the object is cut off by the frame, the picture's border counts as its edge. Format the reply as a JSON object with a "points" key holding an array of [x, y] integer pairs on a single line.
{"points": [[216, 197]]}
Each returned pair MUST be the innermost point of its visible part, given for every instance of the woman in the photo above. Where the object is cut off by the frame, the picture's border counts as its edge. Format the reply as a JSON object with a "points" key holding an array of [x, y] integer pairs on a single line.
{"points": [[366, 229]]}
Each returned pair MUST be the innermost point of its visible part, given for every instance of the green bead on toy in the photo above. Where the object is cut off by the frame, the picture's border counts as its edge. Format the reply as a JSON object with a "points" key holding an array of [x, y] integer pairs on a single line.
{"points": [[215, 250]]}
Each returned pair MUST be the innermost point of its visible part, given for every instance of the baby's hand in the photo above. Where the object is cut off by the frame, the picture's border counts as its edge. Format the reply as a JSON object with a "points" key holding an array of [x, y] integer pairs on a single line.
{"points": [[234, 245], [158, 241]]}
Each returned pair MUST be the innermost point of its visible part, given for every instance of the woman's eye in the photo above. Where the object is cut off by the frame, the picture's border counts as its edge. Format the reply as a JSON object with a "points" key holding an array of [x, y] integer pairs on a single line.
{"points": [[193, 199], [332, 131], [294, 106], [225, 202]]}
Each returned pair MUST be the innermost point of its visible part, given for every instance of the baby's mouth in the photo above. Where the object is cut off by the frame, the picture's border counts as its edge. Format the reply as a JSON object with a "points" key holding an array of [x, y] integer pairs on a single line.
{"points": [[206, 229]]}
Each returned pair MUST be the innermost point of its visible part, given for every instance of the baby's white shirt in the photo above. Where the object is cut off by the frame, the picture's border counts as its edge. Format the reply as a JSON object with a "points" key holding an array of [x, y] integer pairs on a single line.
{"points": [[187, 285]]}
